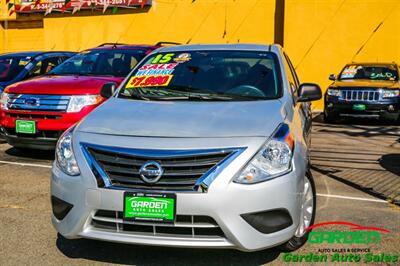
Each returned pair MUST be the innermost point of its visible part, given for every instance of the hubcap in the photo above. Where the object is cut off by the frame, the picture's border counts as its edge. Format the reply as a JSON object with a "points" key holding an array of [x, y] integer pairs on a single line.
{"points": [[307, 208]]}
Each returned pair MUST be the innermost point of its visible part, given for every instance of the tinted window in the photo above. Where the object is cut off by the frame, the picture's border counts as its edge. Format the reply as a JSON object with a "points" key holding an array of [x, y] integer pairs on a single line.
{"points": [[44, 66], [11, 66], [372, 72], [230, 75], [101, 62]]}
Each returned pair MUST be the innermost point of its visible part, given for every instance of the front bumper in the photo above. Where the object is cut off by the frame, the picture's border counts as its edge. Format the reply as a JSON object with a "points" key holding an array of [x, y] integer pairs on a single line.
{"points": [[225, 203], [30, 142], [225, 207], [388, 109], [50, 126]]}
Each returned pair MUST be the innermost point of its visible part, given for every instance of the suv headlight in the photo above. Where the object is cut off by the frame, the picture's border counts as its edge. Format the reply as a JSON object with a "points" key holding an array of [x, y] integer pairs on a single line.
{"points": [[65, 157], [272, 160], [390, 93], [77, 102], [333, 92], [4, 100]]}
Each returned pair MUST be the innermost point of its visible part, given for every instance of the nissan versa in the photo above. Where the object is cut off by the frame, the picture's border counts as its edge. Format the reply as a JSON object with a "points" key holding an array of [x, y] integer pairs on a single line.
{"points": [[200, 146]]}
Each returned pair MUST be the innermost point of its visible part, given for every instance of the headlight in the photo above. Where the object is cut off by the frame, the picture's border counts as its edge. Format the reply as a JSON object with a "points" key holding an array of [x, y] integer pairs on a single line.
{"points": [[76, 103], [65, 157], [390, 93], [333, 92], [272, 160], [3, 101]]}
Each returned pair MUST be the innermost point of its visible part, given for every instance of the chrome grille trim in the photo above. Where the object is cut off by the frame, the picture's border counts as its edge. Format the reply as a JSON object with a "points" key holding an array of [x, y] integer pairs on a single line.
{"points": [[50, 103], [185, 170], [368, 95], [190, 226]]}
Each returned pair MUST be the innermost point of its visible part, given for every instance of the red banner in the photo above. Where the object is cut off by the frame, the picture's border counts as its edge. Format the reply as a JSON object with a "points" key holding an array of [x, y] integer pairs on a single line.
{"points": [[48, 6]]}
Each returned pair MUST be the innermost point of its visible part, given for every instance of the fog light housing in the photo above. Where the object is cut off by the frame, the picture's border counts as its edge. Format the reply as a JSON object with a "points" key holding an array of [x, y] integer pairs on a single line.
{"points": [[60, 208], [268, 222], [390, 108]]}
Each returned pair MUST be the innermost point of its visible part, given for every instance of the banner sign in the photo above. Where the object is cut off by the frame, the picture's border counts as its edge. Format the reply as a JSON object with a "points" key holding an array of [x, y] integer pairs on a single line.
{"points": [[48, 6]]}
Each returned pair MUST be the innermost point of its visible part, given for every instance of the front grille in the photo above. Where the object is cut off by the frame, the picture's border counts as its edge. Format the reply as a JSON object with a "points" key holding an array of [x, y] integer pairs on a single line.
{"points": [[360, 95], [48, 134], [192, 226], [38, 102], [33, 116], [182, 169]]}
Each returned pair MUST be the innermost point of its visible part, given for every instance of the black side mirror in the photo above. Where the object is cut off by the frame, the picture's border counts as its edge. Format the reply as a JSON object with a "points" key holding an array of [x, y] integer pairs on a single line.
{"points": [[309, 92], [108, 89], [332, 77]]}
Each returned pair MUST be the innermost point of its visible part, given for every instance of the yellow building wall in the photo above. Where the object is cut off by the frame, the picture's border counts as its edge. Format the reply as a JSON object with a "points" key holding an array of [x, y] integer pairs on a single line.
{"points": [[321, 36], [200, 21]]}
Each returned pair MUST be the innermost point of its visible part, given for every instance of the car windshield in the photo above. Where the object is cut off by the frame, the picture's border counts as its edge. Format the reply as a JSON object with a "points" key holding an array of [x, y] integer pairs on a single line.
{"points": [[372, 72], [116, 63], [205, 75], [11, 66]]}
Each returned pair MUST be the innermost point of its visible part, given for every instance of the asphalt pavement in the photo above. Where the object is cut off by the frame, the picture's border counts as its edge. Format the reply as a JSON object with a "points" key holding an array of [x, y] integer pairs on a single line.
{"points": [[356, 170]]}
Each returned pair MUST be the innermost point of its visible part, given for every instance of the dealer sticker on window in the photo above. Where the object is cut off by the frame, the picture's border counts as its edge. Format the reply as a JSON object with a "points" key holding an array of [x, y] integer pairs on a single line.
{"points": [[149, 207]]}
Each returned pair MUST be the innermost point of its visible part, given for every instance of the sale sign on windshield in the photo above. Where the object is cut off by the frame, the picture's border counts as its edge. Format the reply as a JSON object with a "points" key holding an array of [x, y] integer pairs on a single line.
{"points": [[48, 6]]}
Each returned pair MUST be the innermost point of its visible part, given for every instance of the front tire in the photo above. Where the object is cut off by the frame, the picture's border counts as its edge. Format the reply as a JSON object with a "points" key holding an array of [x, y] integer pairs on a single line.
{"points": [[329, 117], [307, 216]]}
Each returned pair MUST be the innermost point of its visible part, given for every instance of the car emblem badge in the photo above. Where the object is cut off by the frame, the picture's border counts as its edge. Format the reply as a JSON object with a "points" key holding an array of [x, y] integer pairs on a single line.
{"points": [[32, 101], [151, 172]]}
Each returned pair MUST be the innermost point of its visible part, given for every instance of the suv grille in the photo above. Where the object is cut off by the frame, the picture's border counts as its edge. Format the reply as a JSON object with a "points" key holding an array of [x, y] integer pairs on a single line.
{"points": [[183, 170], [360, 95], [38, 102], [185, 226]]}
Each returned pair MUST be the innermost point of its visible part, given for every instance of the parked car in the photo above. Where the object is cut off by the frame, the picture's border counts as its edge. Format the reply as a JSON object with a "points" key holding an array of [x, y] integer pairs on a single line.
{"points": [[37, 111], [15, 67], [370, 90], [201, 146]]}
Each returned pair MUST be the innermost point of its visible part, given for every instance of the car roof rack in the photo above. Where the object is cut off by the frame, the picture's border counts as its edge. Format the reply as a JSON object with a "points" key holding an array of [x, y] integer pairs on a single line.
{"points": [[114, 44], [166, 43]]}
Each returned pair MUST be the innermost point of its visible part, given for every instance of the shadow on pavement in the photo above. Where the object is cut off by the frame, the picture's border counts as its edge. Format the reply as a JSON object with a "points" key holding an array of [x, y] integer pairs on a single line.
{"points": [[149, 255], [361, 127], [31, 154], [359, 153], [391, 162]]}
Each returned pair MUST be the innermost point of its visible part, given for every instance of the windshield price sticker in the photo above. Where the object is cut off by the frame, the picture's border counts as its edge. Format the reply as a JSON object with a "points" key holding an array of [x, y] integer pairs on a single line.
{"points": [[149, 81], [156, 69], [162, 59]]}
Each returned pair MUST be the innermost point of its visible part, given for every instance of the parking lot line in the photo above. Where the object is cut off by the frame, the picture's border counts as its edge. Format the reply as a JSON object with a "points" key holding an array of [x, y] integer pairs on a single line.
{"points": [[26, 164], [351, 198]]}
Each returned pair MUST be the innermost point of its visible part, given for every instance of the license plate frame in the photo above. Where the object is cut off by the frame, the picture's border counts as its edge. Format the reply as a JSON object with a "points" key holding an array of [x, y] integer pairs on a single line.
{"points": [[165, 202], [25, 127], [359, 107]]}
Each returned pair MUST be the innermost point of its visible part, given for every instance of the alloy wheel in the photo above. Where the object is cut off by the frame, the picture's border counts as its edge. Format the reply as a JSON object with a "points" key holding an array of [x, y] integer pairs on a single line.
{"points": [[307, 208]]}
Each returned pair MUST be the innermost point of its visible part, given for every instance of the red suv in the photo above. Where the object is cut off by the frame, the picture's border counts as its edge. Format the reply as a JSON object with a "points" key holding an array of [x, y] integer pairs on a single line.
{"points": [[36, 112]]}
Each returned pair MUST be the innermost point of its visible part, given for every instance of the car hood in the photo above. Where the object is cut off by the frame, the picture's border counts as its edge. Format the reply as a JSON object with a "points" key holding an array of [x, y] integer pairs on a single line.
{"points": [[366, 83], [62, 85], [184, 119]]}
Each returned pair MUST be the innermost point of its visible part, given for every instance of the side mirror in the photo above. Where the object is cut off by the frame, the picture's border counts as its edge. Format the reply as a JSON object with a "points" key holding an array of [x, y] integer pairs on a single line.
{"points": [[309, 92], [108, 89], [332, 77]]}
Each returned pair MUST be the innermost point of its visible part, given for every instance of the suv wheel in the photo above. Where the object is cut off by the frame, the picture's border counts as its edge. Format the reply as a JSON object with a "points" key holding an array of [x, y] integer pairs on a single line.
{"points": [[308, 207], [329, 118]]}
